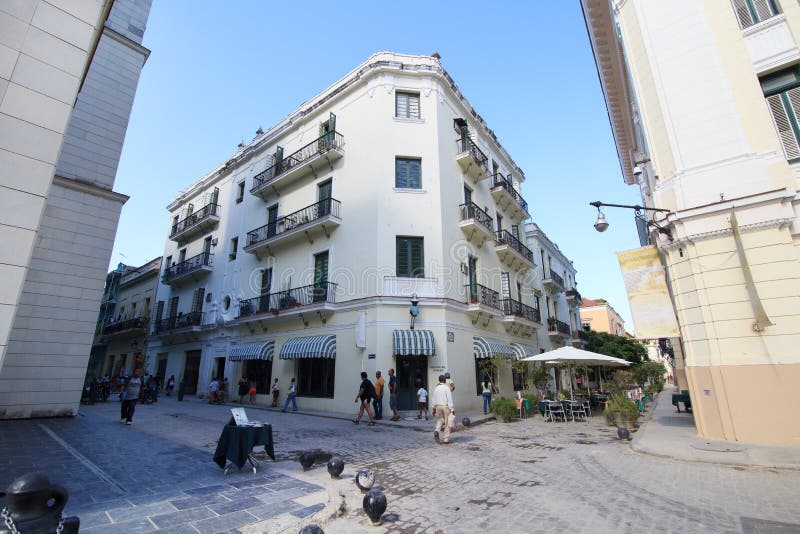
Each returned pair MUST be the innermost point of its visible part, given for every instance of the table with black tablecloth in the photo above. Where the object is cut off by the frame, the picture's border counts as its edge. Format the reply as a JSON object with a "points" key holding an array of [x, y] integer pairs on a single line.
{"points": [[236, 443]]}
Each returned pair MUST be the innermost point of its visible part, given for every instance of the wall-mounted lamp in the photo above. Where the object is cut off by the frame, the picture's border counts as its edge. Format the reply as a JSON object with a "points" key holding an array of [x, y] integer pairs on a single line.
{"points": [[602, 225]]}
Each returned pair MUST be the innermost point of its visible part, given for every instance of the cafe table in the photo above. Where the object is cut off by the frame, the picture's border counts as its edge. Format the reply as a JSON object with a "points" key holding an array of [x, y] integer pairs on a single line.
{"points": [[236, 444]]}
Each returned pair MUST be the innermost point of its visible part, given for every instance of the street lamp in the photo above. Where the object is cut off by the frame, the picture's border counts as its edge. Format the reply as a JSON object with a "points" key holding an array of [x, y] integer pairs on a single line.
{"points": [[601, 225]]}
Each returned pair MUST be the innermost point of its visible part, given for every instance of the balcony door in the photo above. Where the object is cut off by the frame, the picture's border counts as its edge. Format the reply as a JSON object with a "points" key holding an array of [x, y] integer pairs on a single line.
{"points": [[272, 216], [472, 273], [499, 222], [266, 289], [320, 293], [324, 195]]}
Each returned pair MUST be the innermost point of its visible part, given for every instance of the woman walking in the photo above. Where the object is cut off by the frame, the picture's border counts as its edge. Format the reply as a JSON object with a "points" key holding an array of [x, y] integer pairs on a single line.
{"points": [[244, 388], [170, 384], [487, 394]]}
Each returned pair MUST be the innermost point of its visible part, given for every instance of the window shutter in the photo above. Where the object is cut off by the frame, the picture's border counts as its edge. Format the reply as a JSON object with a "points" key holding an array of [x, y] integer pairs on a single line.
{"points": [[780, 115], [414, 174], [159, 311], [417, 258], [197, 299], [743, 13], [505, 286], [173, 307], [403, 257], [401, 104], [400, 172], [764, 9], [413, 106]]}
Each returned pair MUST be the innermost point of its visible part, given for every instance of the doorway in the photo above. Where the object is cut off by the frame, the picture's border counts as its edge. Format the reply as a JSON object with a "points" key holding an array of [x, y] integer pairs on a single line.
{"points": [[411, 372], [191, 372]]}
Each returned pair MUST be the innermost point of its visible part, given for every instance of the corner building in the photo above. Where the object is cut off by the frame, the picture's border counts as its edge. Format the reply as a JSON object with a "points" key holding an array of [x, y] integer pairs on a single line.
{"points": [[704, 102], [301, 255]]}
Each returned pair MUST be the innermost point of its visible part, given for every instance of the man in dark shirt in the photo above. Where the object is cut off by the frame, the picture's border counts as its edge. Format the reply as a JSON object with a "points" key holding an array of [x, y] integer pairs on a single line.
{"points": [[366, 393], [132, 390], [393, 395]]}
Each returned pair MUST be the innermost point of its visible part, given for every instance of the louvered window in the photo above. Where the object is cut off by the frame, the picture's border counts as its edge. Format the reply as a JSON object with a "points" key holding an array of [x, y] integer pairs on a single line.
{"points": [[750, 12], [197, 299], [782, 91], [406, 105], [410, 257], [408, 173]]}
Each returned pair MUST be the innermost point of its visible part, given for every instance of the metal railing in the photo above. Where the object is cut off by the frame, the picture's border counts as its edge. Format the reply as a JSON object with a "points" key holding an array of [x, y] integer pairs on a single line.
{"points": [[179, 321], [204, 259], [120, 326], [465, 144], [288, 299], [209, 210], [478, 294], [498, 180], [504, 237], [580, 334], [470, 210], [515, 307], [318, 146], [554, 325], [309, 214], [574, 294], [552, 275]]}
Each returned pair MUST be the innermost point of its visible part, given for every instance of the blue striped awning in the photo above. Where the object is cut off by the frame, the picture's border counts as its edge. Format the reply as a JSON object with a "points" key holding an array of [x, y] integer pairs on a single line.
{"points": [[252, 351], [309, 347], [413, 343], [523, 351], [487, 347]]}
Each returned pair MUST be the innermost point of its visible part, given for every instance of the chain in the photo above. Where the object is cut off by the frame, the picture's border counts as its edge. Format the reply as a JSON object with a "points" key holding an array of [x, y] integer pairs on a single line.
{"points": [[13, 528], [60, 526]]}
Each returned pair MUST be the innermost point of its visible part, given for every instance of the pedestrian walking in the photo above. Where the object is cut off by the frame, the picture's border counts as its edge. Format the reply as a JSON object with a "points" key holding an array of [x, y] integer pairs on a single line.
{"points": [[366, 392], [244, 388], [486, 391], [442, 400], [393, 395], [170, 384], [290, 396], [377, 402], [422, 402], [449, 382], [131, 391], [276, 392], [213, 391], [252, 390]]}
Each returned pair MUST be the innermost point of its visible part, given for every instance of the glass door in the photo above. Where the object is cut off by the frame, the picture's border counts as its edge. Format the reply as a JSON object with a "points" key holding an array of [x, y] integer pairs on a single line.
{"points": [[412, 374]]}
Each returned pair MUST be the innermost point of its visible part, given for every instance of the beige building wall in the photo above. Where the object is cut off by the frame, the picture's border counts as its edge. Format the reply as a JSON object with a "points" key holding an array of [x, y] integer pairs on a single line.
{"points": [[601, 317]]}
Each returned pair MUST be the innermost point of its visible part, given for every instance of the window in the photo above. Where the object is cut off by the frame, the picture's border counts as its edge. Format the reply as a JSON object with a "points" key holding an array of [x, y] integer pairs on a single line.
{"points": [[234, 248], [315, 377], [782, 91], [750, 12], [410, 257], [260, 372], [239, 192], [406, 105], [408, 173], [197, 299]]}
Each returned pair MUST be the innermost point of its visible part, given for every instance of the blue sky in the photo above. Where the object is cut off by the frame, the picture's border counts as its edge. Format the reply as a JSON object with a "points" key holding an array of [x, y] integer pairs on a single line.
{"points": [[219, 70]]}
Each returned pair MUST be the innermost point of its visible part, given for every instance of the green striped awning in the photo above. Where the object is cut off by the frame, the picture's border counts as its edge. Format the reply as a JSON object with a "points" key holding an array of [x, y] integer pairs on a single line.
{"points": [[487, 347], [523, 351], [413, 343], [309, 347], [252, 351]]}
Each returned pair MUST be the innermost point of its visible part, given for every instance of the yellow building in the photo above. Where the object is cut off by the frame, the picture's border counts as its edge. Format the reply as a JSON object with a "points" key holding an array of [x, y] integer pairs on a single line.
{"points": [[703, 101], [599, 316]]}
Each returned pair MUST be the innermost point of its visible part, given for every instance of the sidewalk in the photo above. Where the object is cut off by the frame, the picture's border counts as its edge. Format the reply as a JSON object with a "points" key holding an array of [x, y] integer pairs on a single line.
{"points": [[669, 434]]}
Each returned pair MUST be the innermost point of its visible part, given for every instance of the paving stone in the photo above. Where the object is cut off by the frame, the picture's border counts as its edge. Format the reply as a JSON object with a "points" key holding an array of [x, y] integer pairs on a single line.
{"points": [[235, 505], [265, 511], [182, 517], [127, 514], [133, 526], [194, 502], [223, 522], [308, 510]]}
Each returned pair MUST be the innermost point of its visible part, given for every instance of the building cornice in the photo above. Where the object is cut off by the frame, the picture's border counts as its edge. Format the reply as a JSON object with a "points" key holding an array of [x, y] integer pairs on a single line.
{"points": [[90, 189]]}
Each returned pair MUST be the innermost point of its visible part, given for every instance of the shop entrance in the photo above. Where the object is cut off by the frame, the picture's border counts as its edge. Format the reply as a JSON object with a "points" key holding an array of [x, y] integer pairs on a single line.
{"points": [[191, 372], [411, 372]]}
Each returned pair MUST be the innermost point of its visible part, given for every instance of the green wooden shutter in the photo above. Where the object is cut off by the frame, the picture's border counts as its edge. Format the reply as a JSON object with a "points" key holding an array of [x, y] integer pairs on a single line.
{"points": [[786, 120], [417, 257], [159, 311], [765, 9], [321, 269], [743, 13], [414, 174], [173, 307], [197, 299], [403, 257]]}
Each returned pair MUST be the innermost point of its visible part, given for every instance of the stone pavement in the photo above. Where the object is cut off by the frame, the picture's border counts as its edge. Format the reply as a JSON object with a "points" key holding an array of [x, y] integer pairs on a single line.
{"points": [[525, 476], [671, 434]]}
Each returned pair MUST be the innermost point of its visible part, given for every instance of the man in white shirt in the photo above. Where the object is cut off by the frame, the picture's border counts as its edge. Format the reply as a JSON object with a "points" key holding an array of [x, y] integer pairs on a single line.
{"points": [[442, 401], [213, 389]]}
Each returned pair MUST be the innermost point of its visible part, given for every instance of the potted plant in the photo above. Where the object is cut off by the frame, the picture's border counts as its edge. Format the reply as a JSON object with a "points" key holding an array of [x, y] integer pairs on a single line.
{"points": [[551, 323], [622, 412], [504, 409]]}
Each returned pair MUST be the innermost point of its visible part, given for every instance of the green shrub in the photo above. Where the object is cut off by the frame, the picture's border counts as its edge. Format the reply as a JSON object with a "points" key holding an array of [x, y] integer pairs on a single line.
{"points": [[505, 409], [622, 405]]}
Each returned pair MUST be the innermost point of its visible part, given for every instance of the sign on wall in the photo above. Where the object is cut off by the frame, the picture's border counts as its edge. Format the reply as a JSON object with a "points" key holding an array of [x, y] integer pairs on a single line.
{"points": [[651, 307]]}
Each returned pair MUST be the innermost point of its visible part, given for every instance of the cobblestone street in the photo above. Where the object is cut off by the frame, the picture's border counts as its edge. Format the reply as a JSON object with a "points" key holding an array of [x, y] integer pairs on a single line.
{"points": [[526, 476]]}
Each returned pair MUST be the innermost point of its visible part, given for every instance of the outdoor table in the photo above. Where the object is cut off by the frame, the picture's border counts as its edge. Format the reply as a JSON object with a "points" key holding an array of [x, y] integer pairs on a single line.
{"points": [[236, 444], [677, 398]]}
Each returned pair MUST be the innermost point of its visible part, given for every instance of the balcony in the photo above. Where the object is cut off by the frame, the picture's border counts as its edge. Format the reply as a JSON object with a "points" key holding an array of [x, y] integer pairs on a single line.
{"points": [[553, 282], [196, 223], [314, 298], [556, 328], [580, 338], [574, 297], [125, 329], [472, 160], [318, 218], [483, 303], [193, 268], [476, 224], [519, 318], [508, 198], [180, 323], [512, 252], [315, 156]]}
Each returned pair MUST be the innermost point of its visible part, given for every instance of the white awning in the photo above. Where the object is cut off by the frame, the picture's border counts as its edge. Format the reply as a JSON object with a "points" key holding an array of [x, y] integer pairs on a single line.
{"points": [[413, 343], [309, 347], [252, 351], [487, 347], [524, 351]]}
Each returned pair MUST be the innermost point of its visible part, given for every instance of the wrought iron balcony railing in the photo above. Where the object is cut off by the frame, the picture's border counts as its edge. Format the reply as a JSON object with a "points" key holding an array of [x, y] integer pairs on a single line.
{"points": [[478, 294], [282, 225], [498, 180], [470, 210], [195, 263], [179, 321], [552, 275], [580, 334], [574, 294], [318, 146], [518, 309], [199, 216], [110, 328], [288, 299], [504, 237], [465, 144], [554, 325]]}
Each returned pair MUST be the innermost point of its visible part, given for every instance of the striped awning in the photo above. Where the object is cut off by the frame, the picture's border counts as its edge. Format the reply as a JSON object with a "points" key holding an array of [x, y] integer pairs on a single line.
{"points": [[252, 351], [413, 343], [309, 347], [523, 351], [487, 347]]}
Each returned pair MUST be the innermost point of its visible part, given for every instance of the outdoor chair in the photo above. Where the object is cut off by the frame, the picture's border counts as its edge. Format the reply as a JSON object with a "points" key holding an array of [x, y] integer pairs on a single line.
{"points": [[522, 407], [577, 410], [555, 411]]}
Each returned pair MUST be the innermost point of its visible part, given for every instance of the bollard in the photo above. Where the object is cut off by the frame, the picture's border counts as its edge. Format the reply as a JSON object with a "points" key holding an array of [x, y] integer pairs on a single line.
{"points": [[33, 504], [335, 467]]}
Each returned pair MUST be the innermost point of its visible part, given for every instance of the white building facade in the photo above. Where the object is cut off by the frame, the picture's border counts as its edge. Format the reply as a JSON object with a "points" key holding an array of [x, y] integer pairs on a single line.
{"points": [[383, 202]]}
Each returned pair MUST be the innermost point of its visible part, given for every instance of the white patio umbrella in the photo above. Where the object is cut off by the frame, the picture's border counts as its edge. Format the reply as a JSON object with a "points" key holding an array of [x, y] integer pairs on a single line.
{"points": [[572, 356]]}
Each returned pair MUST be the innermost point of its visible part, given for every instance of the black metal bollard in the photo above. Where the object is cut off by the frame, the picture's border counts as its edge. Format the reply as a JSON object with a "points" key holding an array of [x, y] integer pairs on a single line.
{"points": [[33, 504], [180, 391]]}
